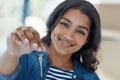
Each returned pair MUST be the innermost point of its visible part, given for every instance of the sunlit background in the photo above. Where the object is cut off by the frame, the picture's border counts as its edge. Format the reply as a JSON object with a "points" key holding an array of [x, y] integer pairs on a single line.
{"points": [[14, 13]]}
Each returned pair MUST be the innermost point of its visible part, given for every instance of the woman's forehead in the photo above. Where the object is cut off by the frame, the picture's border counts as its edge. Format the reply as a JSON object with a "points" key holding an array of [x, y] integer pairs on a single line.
{"points": [[76, 17]]}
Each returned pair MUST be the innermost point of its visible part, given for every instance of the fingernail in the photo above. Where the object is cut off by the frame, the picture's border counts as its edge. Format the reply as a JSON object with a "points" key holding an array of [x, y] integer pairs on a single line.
{"points": [[35, 45], [40, 49], [19, 42], [26, 40]]}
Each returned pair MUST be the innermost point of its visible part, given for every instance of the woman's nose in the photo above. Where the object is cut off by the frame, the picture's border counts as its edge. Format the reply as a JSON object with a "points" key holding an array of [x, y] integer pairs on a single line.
{"points": [[69, 35]]}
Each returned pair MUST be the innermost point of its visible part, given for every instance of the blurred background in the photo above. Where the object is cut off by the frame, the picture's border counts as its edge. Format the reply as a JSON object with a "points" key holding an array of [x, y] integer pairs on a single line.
{"points": [[14, 13]]}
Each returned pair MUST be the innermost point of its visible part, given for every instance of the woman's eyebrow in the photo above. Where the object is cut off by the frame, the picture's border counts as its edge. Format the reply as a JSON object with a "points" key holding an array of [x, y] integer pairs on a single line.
{"points": [[83, 27], [66, 20]]}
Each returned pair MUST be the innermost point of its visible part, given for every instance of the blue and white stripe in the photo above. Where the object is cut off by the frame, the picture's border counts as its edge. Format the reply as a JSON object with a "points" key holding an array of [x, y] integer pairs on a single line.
{"points": [[58, 74]]}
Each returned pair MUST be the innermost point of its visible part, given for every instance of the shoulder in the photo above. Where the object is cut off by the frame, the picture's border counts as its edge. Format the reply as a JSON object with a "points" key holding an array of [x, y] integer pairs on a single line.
{"points": [[27, 62], [31, 59], [91, 76], [28, 58], [81, 72]]}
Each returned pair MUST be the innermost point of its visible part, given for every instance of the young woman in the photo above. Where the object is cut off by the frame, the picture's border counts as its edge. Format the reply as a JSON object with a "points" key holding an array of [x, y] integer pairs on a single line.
{"points": [[67, 52]]}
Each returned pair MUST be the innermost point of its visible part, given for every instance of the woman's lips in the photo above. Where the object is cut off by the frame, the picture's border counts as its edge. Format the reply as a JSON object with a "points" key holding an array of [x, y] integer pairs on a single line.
{"points": [[65, 43]]}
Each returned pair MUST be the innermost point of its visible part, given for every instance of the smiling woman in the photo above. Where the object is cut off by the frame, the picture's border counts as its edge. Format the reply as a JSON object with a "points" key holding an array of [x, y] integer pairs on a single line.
{"points": [[67, 51], [68, 35]]}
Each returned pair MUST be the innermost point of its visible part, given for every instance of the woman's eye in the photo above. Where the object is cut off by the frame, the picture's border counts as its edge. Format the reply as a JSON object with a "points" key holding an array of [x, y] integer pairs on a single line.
{"points": [[81, 32], [64, 24]]}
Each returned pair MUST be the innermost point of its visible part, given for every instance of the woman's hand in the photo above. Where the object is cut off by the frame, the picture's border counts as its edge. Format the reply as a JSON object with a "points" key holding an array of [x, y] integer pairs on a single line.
{"points": [[23, 40]]}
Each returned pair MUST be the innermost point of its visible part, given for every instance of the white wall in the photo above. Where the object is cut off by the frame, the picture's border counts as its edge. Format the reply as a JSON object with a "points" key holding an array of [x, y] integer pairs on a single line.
{"points": [[109, 68], [111, 1], [105, 1]]}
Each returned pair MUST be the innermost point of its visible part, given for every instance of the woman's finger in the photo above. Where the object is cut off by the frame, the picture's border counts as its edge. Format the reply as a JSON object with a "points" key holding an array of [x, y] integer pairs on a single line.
{"points": [[37, 38], [30, 36], [21, 34], [14, 37]]}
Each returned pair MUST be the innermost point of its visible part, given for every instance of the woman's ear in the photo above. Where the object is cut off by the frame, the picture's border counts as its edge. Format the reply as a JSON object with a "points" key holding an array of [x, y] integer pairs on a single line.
{"points": [[85, 42]]}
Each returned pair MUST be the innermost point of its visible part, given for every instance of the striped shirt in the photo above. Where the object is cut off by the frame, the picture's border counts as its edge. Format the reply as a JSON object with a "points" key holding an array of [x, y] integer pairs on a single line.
{"points": [[58, 74]]}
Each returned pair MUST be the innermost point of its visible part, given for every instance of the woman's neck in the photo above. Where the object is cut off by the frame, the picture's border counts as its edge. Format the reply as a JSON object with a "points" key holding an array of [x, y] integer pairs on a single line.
{"points": [[61, 61]]}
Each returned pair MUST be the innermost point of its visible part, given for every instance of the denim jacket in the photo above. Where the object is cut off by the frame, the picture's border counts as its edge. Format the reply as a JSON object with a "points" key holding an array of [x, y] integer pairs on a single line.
{"points": [[34, 66]]}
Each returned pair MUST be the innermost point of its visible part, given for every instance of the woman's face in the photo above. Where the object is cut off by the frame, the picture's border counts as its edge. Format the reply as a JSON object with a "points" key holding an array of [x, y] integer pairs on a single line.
{"points": [[71, 32]]}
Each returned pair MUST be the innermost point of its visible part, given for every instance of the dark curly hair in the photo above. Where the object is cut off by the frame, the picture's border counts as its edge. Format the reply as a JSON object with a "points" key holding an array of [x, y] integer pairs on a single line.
{"points": [[87, 54]]}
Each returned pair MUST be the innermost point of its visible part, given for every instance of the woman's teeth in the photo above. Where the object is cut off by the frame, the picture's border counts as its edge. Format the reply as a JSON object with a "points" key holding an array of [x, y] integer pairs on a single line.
{"points": [[65, 44]]}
